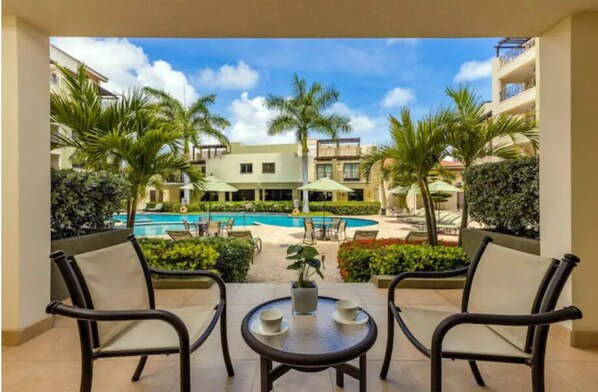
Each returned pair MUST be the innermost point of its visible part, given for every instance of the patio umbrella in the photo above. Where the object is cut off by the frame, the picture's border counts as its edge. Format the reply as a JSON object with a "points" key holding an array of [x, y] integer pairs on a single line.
{"points": [[211, 184], [325, 185], [435, 187]]}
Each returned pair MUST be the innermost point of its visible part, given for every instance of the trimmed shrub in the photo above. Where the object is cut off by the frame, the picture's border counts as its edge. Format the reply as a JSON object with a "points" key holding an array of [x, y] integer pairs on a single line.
{"points": [[359, 260], [505, 196], [230, 257], [337, 208], [83, 202]]}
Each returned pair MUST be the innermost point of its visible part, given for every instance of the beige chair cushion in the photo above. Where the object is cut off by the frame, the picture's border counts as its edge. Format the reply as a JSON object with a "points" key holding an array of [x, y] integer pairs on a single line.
{"points": [[465, 338], [507, 281], [115, 280], [157, 334]]}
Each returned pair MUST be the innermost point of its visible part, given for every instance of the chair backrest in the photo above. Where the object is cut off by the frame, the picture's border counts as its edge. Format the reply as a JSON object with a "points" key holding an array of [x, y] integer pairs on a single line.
{"points": [[361, 235], [507, 281], [308, 224], [342, 226], [230, 223], [158, 206], [241, 234], [185, 224], [213, 226], [113, 278], [177, 235]]}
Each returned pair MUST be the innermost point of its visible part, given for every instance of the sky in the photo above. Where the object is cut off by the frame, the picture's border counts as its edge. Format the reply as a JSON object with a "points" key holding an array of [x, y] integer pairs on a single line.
{"points": [[375, 77]]}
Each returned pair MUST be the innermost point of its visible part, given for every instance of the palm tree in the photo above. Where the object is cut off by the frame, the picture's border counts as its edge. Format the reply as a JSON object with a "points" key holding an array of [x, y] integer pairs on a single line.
{"points": [[411, 156], [125, 135], [303, 113], [473, 136], [193, 121]]}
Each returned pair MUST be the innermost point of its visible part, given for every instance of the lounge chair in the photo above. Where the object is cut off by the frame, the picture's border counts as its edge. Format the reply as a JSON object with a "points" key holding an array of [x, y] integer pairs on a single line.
{"points": [[177, 235], [142, 207], [309, 230], [507, 308], [246, 235], [156, 208], [417, 236], [363, 235], [113, 302]]}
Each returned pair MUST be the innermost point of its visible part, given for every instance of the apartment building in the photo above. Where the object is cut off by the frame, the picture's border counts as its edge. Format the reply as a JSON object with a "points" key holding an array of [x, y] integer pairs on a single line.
{"points": [[60, 157], [274, 171]]}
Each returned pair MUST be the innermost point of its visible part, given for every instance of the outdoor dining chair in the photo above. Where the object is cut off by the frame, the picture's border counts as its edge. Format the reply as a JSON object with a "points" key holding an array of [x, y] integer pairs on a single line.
{"points": [[362, 235], [507, 308], [341, 231], [177, 235], [229, 224], [309, 230], [113, 301], [188, 226], [214, 228]]}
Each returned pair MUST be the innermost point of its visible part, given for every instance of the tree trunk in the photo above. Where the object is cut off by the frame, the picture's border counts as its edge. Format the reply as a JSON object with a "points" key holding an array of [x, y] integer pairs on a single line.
{"points": [[305, 166], [429, 211], [133, 212]]}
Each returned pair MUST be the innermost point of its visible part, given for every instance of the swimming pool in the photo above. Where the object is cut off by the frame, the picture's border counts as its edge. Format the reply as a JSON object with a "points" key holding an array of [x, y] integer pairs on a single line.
{"points": [[156, 224]]}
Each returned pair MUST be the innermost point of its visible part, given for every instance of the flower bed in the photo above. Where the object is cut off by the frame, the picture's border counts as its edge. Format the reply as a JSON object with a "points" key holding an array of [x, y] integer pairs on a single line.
{"points": [[358, 261], [231, 258]]}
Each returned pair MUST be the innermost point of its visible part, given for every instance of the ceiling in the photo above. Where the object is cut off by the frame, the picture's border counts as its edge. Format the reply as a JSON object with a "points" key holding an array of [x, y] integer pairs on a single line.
{"points": [[295, 18]]}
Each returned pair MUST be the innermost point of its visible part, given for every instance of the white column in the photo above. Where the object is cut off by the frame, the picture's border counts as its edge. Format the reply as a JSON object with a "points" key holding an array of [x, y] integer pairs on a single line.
{"points": [[25, 176], [569, 159]]}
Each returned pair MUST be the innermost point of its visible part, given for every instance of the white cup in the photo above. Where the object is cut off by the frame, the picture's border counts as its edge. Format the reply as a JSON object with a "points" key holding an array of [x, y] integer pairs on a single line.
{"points": [[271, 320], [347, 310]]}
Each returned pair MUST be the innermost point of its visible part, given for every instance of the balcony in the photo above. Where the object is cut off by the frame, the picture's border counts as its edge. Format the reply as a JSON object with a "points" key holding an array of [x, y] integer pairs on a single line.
{"points": [[516, 47], [511, 90], [348, 148]]}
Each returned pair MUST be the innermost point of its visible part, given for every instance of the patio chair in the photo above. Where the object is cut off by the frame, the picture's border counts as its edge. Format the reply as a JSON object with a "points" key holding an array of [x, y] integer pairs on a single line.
{"points": [[177, 235], [229, 224], [507, 308], [156, 208], [341, 231], [142, 207], [113, 302], [417, 236], [188, 226], [309, 230], [246, 235], [213, 228], [363, 235]]}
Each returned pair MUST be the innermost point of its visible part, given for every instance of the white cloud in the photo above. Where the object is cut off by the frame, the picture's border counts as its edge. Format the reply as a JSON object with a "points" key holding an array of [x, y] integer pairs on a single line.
{"points": [[126, 65], [230, 77], [474, 70], [249, 122], [398, 97], [406, 41], [360, 123]]}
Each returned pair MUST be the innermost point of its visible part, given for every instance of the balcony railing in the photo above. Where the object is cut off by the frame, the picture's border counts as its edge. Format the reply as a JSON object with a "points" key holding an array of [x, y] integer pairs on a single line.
{"points": [[339, 152], [512, 54], [351, 179], [513, 89]]}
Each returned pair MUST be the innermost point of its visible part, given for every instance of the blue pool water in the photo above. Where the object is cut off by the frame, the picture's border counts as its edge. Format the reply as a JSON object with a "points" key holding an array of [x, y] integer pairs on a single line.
{"points": [[156, 224]]}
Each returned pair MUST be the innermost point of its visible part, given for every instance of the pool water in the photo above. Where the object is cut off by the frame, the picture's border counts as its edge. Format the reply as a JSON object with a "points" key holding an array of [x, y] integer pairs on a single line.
{"points": [[157, 224]]}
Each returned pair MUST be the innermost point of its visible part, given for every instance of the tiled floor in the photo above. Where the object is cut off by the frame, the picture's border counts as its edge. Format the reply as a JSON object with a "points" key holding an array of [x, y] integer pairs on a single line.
{"points": [[50, 363]]}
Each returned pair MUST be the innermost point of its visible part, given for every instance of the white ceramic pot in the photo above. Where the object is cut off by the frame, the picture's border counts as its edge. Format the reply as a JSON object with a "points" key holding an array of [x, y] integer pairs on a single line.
{"points": [[304, 300]]}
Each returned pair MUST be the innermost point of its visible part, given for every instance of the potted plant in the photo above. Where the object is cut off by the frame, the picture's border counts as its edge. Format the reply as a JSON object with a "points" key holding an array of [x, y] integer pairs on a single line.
{"points": [[304, 291]]}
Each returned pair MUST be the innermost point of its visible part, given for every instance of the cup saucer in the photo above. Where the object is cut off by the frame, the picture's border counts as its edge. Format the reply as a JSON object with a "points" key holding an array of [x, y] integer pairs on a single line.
{"points": [[256, 327], [361, 318]]}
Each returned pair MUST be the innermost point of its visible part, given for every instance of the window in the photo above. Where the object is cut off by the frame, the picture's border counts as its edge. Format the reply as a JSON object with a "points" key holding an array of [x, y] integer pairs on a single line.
{"points": [[244, 195], [320, 196], [246, 168], [357, 195], [278, 194], [209, 196], [324, 170], [54, 79], [351, 172], [268, 167]]}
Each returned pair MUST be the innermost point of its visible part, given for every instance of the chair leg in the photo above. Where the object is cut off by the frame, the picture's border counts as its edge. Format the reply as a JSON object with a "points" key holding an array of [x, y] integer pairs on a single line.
{"points": [[185, 369], [476, 373], [389, 344], [224, 344], [436, 376], [538, 377], [139, 369], [86, 373]]}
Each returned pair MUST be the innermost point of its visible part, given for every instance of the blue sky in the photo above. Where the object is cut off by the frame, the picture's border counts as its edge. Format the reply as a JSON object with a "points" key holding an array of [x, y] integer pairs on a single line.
{"points": [[374, 76]]}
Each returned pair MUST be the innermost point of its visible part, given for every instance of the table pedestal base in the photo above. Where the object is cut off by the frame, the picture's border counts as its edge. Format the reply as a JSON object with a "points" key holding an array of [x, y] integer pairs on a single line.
{"points": [[268, 374]]}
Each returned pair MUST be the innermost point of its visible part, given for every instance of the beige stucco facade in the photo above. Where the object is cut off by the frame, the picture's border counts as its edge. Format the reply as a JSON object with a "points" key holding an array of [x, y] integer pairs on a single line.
{"points": [[568, 31]]}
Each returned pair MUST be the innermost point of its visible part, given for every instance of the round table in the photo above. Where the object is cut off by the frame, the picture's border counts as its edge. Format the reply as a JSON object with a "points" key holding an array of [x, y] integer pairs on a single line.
{"points": [[311, 344]]}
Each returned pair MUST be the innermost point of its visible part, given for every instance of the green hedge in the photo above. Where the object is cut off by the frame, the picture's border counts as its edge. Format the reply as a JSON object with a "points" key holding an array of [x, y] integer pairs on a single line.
{"points": [[82, 202], [359, 260], [338, 208], [505, 196], [230, 257]]}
